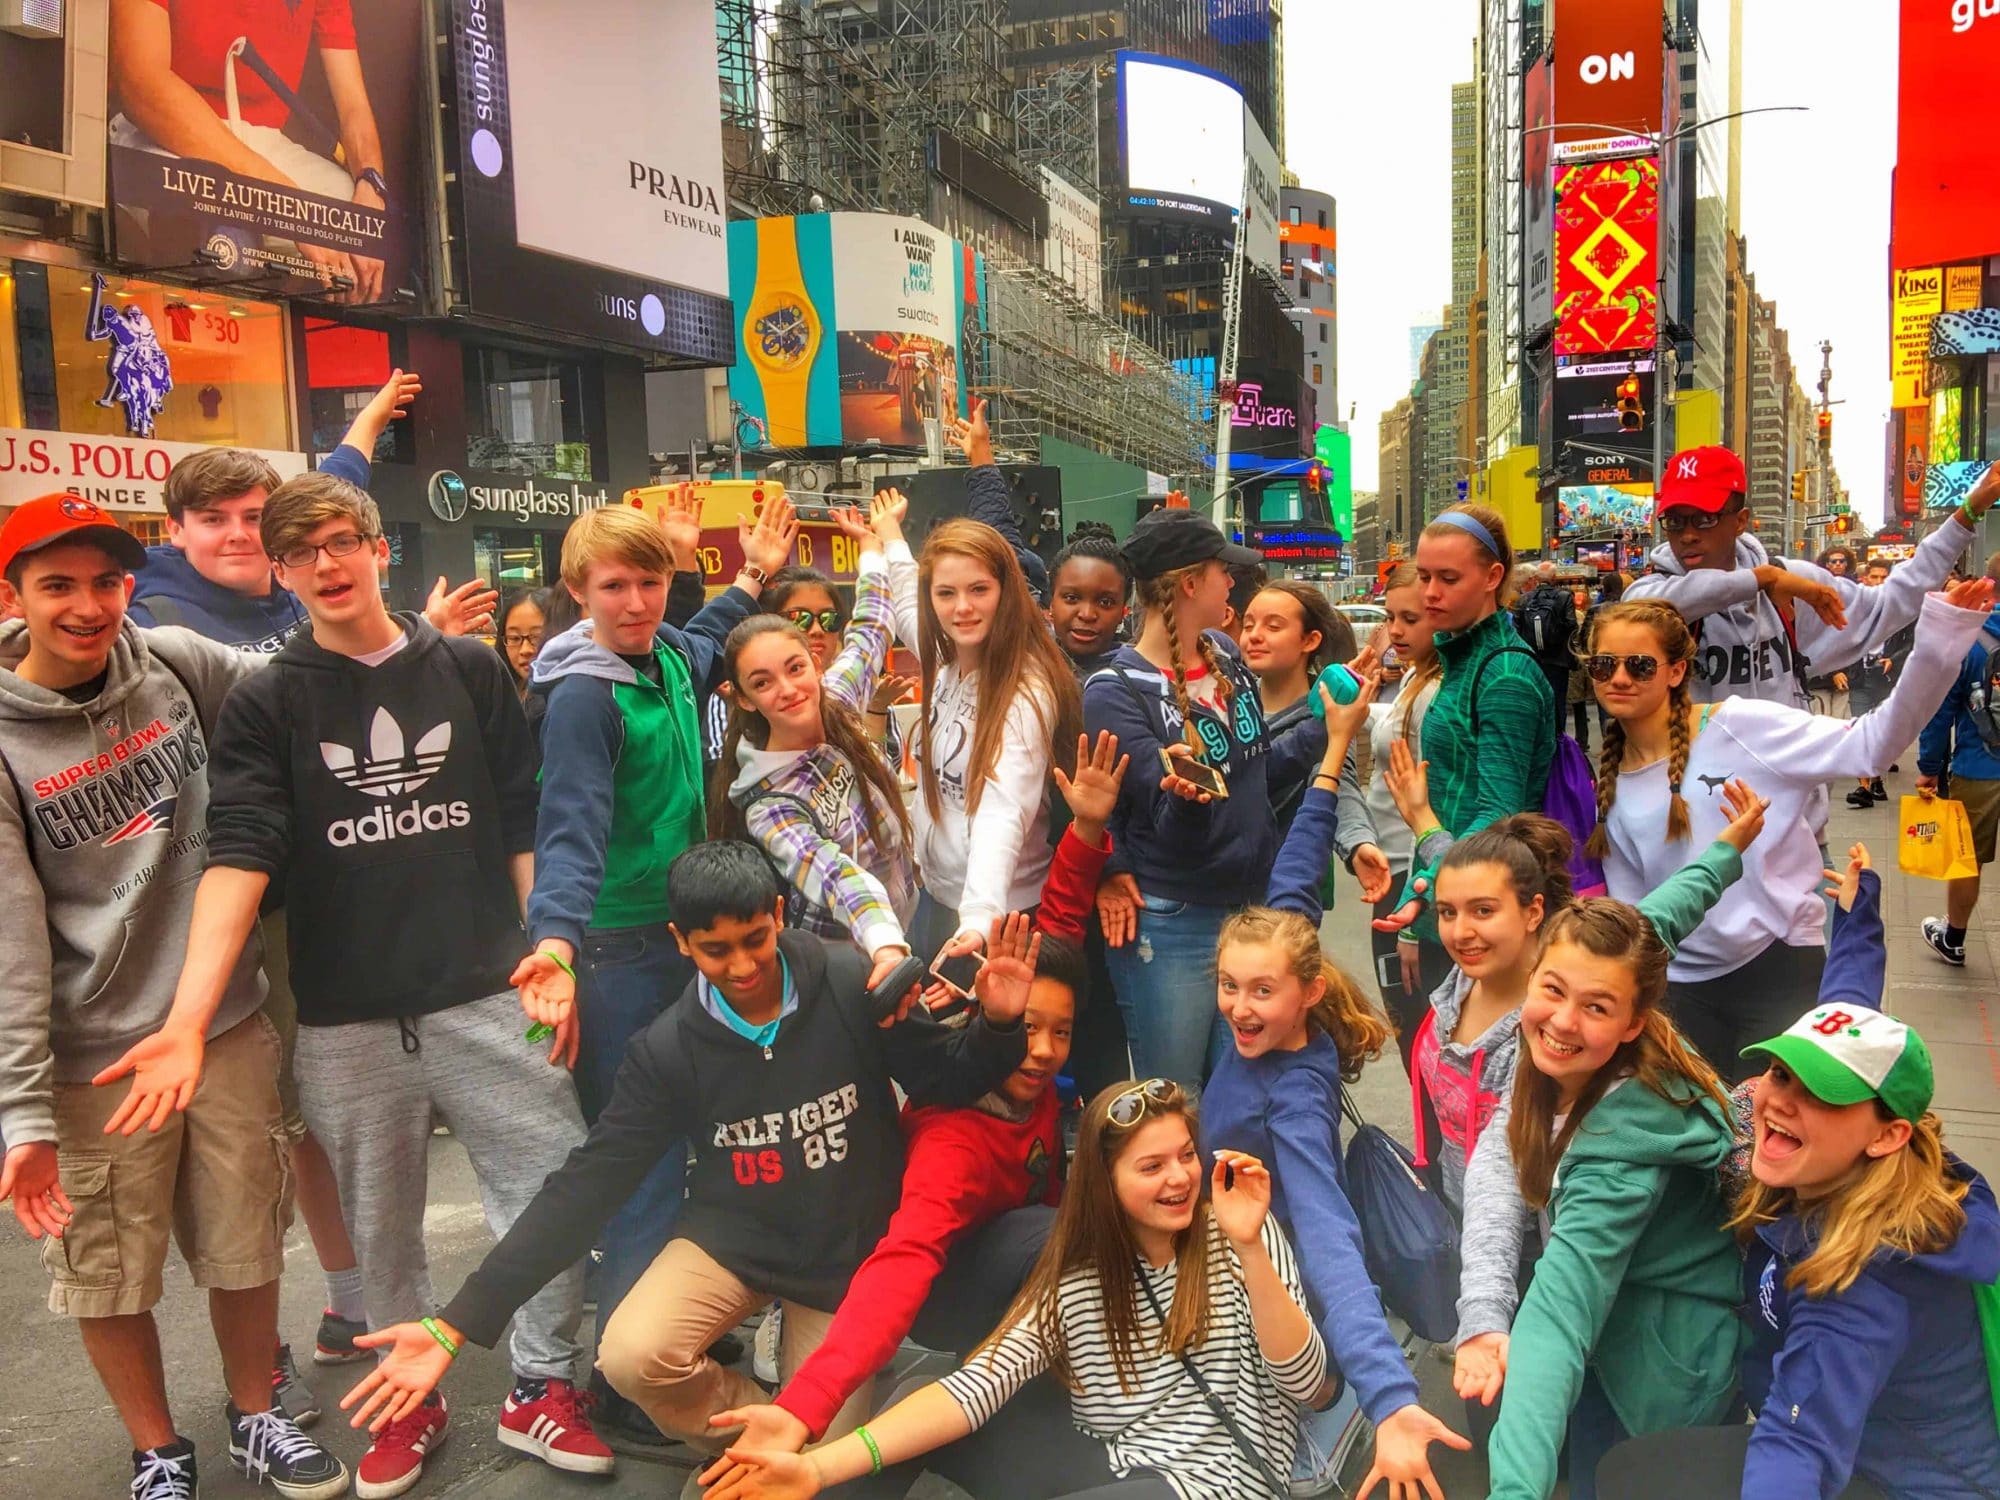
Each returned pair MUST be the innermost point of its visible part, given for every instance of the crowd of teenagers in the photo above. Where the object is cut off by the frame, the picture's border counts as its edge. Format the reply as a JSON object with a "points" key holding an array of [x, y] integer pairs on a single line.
{"points": [[1036, 1058]]}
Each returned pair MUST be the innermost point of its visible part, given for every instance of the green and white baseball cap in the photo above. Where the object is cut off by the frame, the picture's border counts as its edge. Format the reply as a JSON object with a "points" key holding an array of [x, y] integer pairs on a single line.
{"points": [[1844, 1054]]}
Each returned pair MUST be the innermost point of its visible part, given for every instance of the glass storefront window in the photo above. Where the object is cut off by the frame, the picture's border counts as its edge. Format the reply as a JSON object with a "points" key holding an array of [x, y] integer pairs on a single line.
{"points": [[514, 559], [226, 355], [526, 414], [345, 367]]}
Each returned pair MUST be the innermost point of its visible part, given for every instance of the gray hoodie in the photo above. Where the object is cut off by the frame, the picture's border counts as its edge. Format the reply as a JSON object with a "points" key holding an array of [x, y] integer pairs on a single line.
{"points": [[103, 835]]}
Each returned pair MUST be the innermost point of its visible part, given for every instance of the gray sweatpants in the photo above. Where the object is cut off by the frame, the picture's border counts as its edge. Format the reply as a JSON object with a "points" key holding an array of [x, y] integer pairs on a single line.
{"points": [[368, 1090]]}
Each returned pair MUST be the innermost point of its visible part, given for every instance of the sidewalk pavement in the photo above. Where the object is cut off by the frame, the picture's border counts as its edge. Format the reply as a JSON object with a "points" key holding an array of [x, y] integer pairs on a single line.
{"points": [[60, 1439]]}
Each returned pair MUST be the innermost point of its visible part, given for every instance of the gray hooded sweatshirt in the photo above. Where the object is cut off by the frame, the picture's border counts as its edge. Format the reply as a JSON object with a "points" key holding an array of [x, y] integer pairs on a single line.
{"points": [[103, 835]]}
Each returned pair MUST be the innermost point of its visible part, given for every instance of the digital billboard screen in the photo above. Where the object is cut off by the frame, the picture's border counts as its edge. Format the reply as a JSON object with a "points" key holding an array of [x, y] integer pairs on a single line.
{"points": [[1610, 60], [1182, 133], [1606, 231], [1943, 206]]}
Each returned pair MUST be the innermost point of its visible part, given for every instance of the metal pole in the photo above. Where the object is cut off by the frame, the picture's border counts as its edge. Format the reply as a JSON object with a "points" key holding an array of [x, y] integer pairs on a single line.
{"points": [[1826, 498], [1660, 320]]}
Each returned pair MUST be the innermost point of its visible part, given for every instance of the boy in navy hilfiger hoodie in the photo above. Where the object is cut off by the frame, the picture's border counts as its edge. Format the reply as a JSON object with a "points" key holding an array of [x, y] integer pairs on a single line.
{"points": [[772, 1068]]}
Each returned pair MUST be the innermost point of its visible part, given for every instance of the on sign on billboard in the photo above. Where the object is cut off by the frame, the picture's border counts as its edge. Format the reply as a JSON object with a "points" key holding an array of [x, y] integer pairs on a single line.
{"points": [[1943, 205], [280, 144], [1609, 67], [621, 240], [1606, 215]]}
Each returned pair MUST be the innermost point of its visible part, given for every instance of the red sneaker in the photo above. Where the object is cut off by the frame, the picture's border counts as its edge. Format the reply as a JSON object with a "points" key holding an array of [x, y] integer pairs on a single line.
{"points": [[555, 1427], [395, 1460]]}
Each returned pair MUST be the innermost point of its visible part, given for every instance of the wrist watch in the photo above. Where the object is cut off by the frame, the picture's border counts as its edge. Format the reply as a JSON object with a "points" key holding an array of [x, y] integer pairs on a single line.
{"points": [[781, 337], [375, 180], [755, 574]]}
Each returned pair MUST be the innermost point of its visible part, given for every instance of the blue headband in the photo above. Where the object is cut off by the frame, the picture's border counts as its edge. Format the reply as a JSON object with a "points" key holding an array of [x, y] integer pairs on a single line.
{"points": [[1471, 526]]}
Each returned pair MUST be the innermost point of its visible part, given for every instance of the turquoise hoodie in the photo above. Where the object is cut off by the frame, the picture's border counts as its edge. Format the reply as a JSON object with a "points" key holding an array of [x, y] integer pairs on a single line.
{"points": [[1639, 1280]]}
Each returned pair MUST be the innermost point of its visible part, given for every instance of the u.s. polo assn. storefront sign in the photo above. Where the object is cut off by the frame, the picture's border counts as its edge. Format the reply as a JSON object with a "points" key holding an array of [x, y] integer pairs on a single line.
{"points": [[118, 473]]}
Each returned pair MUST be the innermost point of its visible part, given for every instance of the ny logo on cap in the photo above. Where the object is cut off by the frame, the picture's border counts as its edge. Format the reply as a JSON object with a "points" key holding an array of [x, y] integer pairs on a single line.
{"points": [[79, 509], [1687, 468]]}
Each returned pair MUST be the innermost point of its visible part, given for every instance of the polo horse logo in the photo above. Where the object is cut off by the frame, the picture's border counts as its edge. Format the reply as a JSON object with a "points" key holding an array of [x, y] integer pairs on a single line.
{"points": [[137, 375]]}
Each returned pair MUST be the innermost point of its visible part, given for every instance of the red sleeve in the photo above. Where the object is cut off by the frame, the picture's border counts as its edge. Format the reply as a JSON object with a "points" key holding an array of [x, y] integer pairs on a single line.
{"points": [[333, 25], [1069, 895], [946, 1188]]}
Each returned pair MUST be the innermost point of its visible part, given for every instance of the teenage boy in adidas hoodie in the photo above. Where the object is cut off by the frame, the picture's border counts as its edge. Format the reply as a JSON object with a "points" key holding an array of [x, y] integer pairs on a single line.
{"points": [[384, 774], [1731, 591], [105, 742], [772, 1067]]}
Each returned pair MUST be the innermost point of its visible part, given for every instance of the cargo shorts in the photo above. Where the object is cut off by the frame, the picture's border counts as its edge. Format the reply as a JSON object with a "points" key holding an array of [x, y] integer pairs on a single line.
{"points": [[216, 1178]]}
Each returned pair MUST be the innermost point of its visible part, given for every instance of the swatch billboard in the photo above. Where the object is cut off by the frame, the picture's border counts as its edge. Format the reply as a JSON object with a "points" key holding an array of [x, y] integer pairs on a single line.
{"points": [[852, 327], [616, 233], [1606, 239], [281, 144]]}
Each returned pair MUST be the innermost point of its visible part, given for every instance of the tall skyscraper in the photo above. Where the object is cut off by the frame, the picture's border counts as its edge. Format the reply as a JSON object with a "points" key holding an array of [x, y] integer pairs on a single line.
{"points": [[1306, 236]]}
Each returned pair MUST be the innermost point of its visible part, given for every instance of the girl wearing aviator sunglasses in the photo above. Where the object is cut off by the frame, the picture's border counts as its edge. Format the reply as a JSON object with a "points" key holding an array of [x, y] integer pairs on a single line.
{"points": [[1755, 962]]}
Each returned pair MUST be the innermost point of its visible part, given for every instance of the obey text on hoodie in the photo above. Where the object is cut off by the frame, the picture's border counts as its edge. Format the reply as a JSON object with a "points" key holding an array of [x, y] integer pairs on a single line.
{"points": [[388, 800]]}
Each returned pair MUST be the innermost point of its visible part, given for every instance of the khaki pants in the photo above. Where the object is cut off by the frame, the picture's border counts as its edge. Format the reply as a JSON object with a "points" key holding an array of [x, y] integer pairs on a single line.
{"points": [[653, 1351]]}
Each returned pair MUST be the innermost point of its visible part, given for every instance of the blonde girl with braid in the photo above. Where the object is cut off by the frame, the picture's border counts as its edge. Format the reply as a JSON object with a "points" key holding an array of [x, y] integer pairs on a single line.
{"points": [[1184, 859], [1756, 962]]}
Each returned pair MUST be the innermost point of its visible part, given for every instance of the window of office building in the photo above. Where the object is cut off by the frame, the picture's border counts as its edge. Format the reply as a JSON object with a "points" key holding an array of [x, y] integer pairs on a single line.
{"points": [[61, 333], [526, 414]]}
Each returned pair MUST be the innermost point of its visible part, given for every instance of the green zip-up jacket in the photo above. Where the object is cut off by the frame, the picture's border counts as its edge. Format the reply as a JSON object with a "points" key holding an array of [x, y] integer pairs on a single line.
{"points": [[1640, 1281], [621, 773]]}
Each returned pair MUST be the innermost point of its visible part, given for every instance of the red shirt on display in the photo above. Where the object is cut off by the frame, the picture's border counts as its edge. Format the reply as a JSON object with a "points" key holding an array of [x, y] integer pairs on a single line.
{"points": [[204, 31]]}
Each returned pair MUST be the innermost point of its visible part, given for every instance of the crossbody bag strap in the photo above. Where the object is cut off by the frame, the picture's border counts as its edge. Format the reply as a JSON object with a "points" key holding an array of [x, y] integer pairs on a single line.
{"points": [[1280, 1485]]}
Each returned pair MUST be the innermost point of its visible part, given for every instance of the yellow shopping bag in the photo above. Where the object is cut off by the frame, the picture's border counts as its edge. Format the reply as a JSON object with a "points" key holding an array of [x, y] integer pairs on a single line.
{"points": [[1936, 839]]}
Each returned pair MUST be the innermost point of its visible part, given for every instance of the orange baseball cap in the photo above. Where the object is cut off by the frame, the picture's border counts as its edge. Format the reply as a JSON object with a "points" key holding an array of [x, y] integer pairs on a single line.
{"points": [[49, 519]]}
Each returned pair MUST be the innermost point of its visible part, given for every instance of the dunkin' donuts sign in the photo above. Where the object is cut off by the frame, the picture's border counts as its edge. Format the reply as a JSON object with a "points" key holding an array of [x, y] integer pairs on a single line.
{"points": [[117, 473]]}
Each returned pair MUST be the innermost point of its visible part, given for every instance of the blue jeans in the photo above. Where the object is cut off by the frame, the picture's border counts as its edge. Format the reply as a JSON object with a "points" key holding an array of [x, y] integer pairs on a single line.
{"points": [[627, 977], [1165, 979], [1594, 1430]]}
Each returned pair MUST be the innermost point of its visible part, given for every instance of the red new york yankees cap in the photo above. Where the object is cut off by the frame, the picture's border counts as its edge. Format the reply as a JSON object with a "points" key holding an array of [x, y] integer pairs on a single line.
{"points": [[49, 519], [1702, 479]]}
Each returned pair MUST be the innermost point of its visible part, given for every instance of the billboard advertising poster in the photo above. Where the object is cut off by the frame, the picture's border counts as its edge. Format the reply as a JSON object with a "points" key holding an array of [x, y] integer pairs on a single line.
{"points": [[1603, 508], [1606, 224], [1916, 459], [619, 240], [1918, 297], [1961, 288], [1260, 198], [1181, 129], [1073, 251], [1537, 244], [1609, 67], [1296, 542], [1943, 206], [1590, 449], [285, 144], [852, 327]]}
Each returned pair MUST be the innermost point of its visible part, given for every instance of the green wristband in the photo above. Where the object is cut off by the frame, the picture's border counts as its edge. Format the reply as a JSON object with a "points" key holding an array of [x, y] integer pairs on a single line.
{"points": [[559, 961], [1435, 828], [430, 1326], [874, 1453]]}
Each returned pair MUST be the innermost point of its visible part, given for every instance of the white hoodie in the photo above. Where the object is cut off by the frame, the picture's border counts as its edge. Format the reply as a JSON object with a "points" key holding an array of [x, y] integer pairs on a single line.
{"points": [[1744, 652], [1786, 755]]}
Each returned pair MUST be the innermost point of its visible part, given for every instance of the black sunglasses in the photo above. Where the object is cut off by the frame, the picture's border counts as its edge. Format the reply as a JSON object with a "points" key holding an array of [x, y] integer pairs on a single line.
{"points": [[829, 619], [1136, 1102], [1604, 668]]}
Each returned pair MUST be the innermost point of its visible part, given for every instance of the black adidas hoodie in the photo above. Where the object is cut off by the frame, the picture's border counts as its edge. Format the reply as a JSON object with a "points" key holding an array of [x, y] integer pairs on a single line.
{"points": [[386, 800], [798, 1147]]}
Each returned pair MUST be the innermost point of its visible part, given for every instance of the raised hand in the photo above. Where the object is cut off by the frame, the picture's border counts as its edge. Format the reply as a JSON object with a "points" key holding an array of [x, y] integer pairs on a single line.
{"points": [[548, 997], [1345, 720], [1973, 593], [1092, 794], [165, 1069], [680, 523], [1013, 948], [886, 513], [768, 543], [1409, 783], [29, 1176], [972, 436], [1746, 815], [852, 523], [465, 610], [1845, 885], [890, 689], [1241, 1189], [1979, 499], [1402, 1453], [1371, 872], [390, 402], [404, 1378], [1118, 902], [1481, 1368]]}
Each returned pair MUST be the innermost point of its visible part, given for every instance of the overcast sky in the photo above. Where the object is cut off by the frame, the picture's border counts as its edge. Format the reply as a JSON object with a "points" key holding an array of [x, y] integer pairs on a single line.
{"points": [[1368, 118]]}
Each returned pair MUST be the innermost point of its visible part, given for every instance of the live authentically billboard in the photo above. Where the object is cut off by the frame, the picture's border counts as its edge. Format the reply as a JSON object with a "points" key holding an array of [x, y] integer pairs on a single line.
{"points": [[280, 144]]}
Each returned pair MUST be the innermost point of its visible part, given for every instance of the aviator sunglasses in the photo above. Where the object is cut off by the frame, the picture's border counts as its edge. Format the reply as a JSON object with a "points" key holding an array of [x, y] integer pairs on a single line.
{"points": [[1603, 668]]}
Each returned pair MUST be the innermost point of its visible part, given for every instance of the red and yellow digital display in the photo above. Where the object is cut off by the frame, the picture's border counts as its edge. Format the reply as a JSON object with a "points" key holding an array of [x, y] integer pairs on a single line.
{"points": [[1606, 225]]}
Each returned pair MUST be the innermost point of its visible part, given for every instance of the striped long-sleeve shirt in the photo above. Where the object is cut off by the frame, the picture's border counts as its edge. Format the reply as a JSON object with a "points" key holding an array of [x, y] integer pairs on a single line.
{"points": [[1163, 1423]]}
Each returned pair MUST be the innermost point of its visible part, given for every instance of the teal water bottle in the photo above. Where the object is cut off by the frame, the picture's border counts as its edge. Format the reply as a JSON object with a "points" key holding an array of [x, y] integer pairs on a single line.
{"points": [[1342, 684]]}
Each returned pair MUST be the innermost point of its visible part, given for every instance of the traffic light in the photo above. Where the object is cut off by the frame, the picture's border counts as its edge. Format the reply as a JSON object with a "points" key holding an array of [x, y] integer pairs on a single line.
{"points": [[1316, 479], [1841, 523], [1798, 484], [1631, 415], [1825, 429]]}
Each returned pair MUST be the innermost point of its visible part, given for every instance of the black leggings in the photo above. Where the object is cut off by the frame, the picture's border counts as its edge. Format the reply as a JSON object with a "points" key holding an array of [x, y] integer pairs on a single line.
{"points": [[1405, 1011], [1693, 1461], [1722, 1016]]}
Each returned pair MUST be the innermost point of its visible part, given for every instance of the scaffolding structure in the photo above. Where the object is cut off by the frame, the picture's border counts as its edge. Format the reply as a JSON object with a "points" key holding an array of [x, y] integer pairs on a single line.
{"points": [[1055, 115]]}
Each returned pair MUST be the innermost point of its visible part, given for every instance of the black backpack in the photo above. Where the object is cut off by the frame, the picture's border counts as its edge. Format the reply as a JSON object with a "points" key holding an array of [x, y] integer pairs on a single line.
{"points": [[1547, 621], [1982, 699]]}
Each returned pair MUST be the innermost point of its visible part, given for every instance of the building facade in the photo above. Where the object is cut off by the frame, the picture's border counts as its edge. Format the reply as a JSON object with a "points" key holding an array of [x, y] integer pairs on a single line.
{"points": [[1306, 236]]}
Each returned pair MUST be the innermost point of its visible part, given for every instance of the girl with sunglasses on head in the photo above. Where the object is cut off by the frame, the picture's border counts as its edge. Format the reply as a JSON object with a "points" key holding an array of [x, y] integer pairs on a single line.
{"points": [[800, 778], [1756, 962], [998, 697], [1172, 1318]]}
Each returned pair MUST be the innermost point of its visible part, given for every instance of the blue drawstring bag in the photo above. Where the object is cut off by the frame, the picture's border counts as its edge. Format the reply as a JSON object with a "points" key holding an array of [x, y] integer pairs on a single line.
{"points": [[1409, 1240]]}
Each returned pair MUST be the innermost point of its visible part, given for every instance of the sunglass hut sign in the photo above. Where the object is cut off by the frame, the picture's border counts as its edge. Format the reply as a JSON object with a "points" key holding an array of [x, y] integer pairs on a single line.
{"points": [[453, 498]]}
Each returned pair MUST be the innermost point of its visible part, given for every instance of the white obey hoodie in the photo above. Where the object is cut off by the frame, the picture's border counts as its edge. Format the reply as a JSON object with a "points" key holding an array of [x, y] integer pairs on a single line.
{"points": [[1743, 650], [1787, 755]]}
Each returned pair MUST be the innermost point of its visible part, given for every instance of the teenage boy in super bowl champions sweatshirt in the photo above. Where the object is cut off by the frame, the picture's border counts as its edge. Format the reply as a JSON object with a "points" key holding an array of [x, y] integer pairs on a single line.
{"points": [[105, 745], [384, 773], [1730, 590], [773, 1067]]}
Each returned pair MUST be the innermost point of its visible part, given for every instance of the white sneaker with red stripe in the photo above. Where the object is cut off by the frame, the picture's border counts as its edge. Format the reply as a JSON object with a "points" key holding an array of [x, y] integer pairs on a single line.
{"points": [[550, 1419], [395, 1460]]}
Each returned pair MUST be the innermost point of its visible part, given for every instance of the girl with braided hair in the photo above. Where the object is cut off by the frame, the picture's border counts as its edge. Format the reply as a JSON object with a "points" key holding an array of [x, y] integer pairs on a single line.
{"points": [[1756, 962], [1185, 859]]}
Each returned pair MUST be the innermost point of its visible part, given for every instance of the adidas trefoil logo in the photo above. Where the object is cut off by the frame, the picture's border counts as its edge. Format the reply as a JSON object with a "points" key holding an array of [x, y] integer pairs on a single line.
{"points": [[389, 770]]}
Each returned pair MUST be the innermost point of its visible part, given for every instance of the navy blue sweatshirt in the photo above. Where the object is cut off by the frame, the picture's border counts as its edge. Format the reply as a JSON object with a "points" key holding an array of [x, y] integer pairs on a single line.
{"points": [[1208, 854], [169, 591], [1284, 1109], [988, 499]]}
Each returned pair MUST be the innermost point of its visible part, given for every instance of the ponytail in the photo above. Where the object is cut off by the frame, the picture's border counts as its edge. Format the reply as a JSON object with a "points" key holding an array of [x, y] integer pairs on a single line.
{"points": [[1358, 1029], [1532, 849]]}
